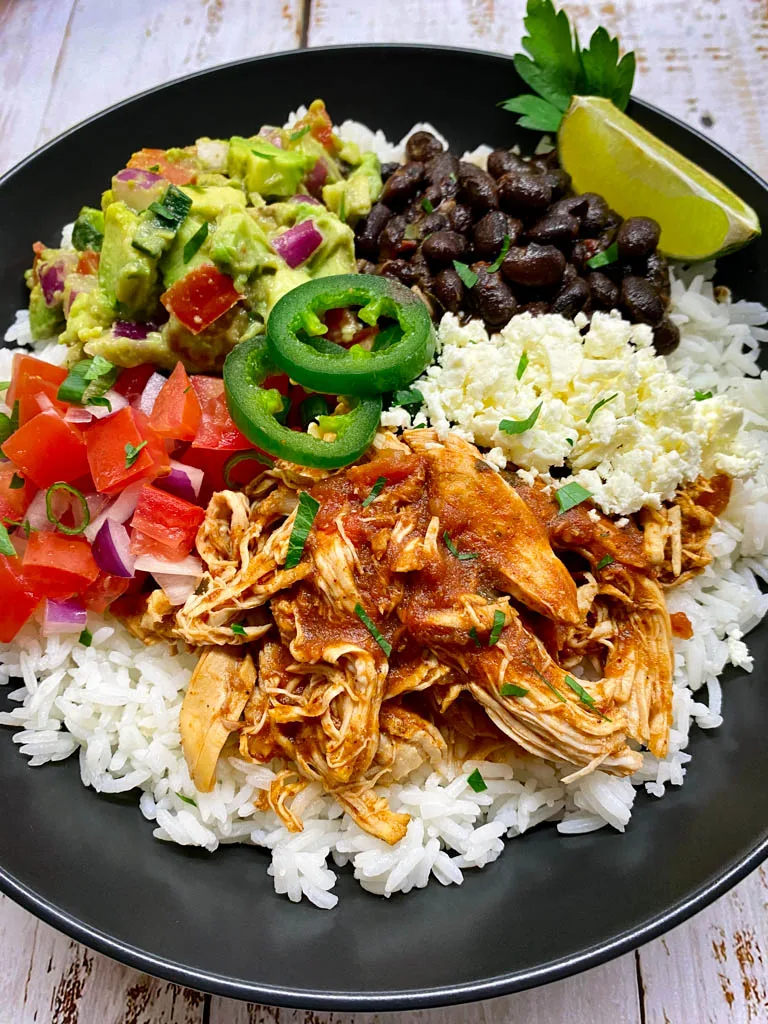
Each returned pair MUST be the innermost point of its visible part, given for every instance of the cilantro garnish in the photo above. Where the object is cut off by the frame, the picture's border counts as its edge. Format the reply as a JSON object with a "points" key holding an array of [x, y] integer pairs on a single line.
{"points": [[6, 427], [302, 524], [86, 638], [510, 690], [570, 495], [546, 682], [369, 624], [202, 587], [569, 440], [132, 452], [4, 385], [476, 782], [467, 275], [405, 398], [500, 258], [295, 136], [522, 365], [605, 561], [520, 426], [375, 491], [558, 68], [17, 482], [186, 799], [600, 404], [499, 619], [475, 637], [427, 206], [238, 630], [463, 556], [6, 548], [702, 396], [585, 698], [604, 258], [192, 246]]}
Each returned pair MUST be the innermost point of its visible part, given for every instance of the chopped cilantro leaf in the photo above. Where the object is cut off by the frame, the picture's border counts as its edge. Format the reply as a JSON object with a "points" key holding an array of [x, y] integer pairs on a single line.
{"points": [[238, 630], [192, 246], [463, 556], [476, 782], [520, 426], [510, 690], [475, 637], [467, 275], [132, 452], [299, 134], [500, 258], [702, 396], [412, 396], [6, 548], [86, 638], [375, 491], [604, 258], [546, 682], [302, 524], [499, 619], [571, 495], [569, 440], [600, 404], [604, 561], [427, 206], [16, 483], [369, 624], [586, 698], [522, 365]]}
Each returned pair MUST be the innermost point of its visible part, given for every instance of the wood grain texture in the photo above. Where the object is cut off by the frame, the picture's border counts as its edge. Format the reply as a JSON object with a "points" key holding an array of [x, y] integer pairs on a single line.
{"points": [[704, 60]]}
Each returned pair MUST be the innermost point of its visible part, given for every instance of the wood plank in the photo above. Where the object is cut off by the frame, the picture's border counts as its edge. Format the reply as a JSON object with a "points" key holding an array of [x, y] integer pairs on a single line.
{"points": [[607, 993], [704, 62], [48, 977], [715, 967]]}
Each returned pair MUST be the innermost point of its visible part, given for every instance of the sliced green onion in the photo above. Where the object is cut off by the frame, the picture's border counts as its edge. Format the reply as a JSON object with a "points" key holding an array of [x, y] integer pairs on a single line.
{"points": [[476, 782], [192, 246], [375, 491], [702, 396], [295, 136], [88, 378], [173, 208], [499, 620], [6, 548], [522, 365], [586, 698], [17, 482], [86, 638], [520, 426], [99, 367], [238, 630], [186, 799], [71, 531], [571, 495], [510, 690], [602, 259], [463, 556], [239, 457], [305, 516], [500, 258], [369, 624], [132, 452], [600, 404], [101, 400], [467, 275], [604, 561], [264, 156]]}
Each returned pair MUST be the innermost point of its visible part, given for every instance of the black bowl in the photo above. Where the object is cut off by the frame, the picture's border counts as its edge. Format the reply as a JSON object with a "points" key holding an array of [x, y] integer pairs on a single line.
{"points": [[550, 905]]}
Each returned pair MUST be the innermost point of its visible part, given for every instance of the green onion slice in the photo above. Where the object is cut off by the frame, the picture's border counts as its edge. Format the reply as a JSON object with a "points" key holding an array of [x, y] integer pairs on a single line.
{"points": [[192, 246], [604, 561], [238, 630], [86, 638]]}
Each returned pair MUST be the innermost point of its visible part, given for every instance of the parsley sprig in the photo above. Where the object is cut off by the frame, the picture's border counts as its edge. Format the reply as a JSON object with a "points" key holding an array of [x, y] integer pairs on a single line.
{"points": [[556, 68]]}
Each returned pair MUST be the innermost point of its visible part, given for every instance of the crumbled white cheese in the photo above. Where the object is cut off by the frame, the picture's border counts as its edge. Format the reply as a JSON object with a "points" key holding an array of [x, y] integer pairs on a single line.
{"points": [[636, 428]]}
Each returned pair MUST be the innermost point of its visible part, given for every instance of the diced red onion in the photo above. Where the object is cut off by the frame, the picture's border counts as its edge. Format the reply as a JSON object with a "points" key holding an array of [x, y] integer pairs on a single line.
{"points": [[149, 395], [272, 134], [96, 503], [77, 414], [44, 402], [138, 188], [298, 198], [176, 588], [189, 566], [77, 285], [315, 180], [116, 402], [64, 616], [134, 330], [183, 481], [112, 550], [51, 276], [213, 153], [121, 509], [298, 243]]}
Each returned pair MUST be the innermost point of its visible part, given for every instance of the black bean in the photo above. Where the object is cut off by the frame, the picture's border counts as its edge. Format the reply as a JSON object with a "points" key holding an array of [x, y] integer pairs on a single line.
{"points": [[434, 222], [402, 185], [666, 337], [605, 294], [369, 230], [641, 301], [421, 272], [422, 146], [366, 267], [638, 237], [477, 188], [522, 194], [596, 216], [460, 218], [583, 250], [535, 266], [555, 229], [391, 238], [571, 299], [502, 161], [388, 169], [537, 308], [448, 289], [657, 272], [400, 270], [575, 205], [491, 298], [444, 165], [569, 274], [540, 163], [558, 180], [490, 232], [443, 247]]}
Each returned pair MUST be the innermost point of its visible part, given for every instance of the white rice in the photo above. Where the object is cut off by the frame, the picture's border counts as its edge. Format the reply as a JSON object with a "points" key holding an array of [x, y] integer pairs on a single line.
{"points": [[117, 702]]}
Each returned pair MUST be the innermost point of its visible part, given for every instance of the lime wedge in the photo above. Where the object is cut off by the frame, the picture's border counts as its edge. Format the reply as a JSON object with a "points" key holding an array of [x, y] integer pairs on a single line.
{"points": [[607, 152]]}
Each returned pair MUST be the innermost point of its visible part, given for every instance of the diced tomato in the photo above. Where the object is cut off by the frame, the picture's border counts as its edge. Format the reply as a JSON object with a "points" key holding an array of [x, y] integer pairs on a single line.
{"points": [[35, 397], [131, 383], [393, 465], [110, 443], [18, 598], [212, 464], [177, 413], [200, 297], [88, 262], [321, 127], [27, 367], [167, 519], [14, 501], [46, 449], [60, 566], [217, 431], [156, 160], [105, 589]]}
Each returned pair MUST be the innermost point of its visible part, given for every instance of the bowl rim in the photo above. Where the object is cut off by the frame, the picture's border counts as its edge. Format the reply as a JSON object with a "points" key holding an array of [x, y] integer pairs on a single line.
{"points": [[380, 1000]]}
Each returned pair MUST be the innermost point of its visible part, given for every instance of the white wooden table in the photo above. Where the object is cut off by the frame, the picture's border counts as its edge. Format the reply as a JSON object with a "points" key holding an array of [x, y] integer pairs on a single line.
{"points": [[703, 60]]}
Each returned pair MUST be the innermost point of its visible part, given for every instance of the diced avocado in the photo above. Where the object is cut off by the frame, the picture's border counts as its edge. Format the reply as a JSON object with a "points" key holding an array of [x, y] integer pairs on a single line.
{"points": [[272, 284], [88, 232], [239, 246], [209, 201], [44, 321], [160, 222], [129, 352], [350, 154], [352, 197], [127, 276], [90, 314], [267, 169], [173, 264], [336, 254]]}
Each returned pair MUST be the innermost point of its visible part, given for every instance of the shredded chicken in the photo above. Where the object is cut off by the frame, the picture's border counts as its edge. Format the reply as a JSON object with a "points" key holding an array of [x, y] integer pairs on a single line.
{"points": [[499, 623]]}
